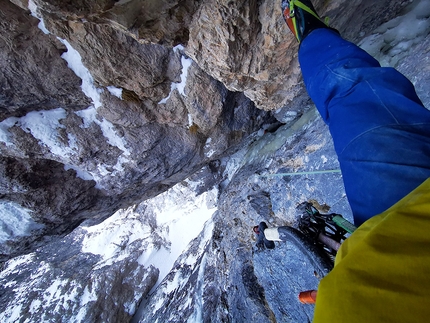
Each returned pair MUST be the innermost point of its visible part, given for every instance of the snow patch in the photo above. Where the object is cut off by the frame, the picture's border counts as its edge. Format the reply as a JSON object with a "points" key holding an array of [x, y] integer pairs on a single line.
{"points": [[190, 120], [185, 216], [15, 221], [72, 142], [130, 307], [207, 235], [177, 281], [74, 62], [82, 174], [13, 265], [178, 48], [87, 297], [43, 125], [209, 152], [174, 284], [110, 237], [113, 139], [193, 185], [158, 305], [5, 135], [89, 116], [35, 305], [15, 307], [52, 291], [181, 217], [15, 314], [186, 63], [34, 12], [115, 91]]}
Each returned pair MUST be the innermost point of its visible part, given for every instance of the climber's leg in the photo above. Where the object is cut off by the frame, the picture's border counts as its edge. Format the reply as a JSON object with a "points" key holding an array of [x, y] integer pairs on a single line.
{"points": [[380, 128]]}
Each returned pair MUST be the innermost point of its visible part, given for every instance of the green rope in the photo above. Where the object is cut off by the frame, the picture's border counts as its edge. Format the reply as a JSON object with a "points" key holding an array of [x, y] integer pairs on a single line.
{"points": [[303, 173], [344, 223]]}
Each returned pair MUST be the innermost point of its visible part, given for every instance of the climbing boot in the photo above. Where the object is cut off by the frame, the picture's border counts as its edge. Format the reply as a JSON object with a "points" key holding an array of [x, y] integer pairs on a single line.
{"points": [[301, 17]]}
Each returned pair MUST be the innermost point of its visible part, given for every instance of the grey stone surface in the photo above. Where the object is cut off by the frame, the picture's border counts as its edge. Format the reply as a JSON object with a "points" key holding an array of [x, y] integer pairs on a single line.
{"points": [[216, 132]]}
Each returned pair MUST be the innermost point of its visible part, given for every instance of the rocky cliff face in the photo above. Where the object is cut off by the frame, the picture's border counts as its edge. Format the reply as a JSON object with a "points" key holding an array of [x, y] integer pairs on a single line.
{"points": [[151, 92], [106, 104], [66, 158]]}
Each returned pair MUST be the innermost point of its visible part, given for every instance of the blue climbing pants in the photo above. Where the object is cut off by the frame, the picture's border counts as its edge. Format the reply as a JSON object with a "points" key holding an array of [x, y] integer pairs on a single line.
{"points": [[380, 128]]}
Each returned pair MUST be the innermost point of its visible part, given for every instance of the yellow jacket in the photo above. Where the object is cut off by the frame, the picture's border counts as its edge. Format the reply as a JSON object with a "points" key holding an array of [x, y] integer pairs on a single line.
{"points": [[382, 271]]}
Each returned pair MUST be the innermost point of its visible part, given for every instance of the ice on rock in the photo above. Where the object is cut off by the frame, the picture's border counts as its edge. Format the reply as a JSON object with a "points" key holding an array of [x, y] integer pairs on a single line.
{"points": [[15, 221], [395, 39], [186, 63], [115, 91], [43, 125], [33, 9], [89, 115]]}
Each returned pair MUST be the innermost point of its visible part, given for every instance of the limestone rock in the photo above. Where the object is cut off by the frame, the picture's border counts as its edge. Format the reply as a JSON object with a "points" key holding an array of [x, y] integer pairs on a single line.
{"points": [[223, 277], [69, 284], [159, 22], [246, 46], [159, 113], [85, 161], [33, 76]]}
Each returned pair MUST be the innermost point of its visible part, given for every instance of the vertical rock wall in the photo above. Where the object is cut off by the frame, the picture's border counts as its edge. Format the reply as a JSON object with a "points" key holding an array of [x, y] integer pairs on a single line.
{"points": [[152, 114], [151, 91], [78, 156]]}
